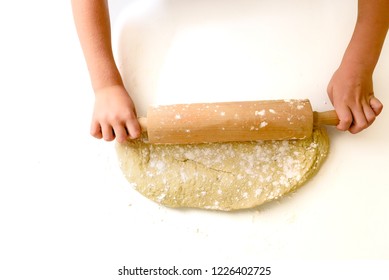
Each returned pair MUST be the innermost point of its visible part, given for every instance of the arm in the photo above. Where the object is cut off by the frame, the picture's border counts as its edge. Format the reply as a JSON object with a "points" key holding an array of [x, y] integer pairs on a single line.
{"points": [[114, 112], [351, 87]]}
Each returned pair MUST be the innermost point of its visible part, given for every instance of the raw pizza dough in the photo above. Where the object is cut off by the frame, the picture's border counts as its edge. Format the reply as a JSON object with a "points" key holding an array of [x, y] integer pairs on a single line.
{"points": [[221, 176]]}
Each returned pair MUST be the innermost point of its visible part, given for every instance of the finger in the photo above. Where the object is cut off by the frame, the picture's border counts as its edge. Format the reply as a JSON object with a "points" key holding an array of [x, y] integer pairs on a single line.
{"points": [[133, 128], [376, 105], [369, 114], [108, 133], [345, 118], [359, 121], [95, 130], [120, 133]]}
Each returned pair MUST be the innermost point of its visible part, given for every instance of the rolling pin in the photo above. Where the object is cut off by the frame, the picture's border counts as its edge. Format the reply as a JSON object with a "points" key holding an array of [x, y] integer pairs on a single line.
{"points": [[233, 121]]}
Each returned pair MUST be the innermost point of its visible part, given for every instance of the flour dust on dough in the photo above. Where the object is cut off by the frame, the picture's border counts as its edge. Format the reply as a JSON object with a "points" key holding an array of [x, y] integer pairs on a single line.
{"points": [[221, 176]]}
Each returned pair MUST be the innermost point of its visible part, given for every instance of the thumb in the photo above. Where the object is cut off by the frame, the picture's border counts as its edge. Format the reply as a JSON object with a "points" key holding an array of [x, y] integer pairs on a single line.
{"points": [[345, 117], [376, 105]]}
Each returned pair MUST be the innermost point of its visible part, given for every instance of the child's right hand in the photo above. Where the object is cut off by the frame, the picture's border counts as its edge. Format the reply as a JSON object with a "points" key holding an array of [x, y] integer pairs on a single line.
{"points": [[114, 115]]}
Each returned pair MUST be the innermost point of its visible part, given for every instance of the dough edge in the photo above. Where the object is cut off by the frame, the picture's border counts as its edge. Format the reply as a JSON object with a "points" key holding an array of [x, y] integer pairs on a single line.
{"points": [[168, 175]]}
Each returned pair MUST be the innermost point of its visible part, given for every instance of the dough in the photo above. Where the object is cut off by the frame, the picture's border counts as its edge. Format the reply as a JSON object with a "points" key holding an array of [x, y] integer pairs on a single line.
{"points": [[221, 176]]}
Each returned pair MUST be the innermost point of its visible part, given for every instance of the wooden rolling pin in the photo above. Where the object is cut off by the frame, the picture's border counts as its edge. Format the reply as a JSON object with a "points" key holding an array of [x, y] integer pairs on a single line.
{"points": [[233, 121]]}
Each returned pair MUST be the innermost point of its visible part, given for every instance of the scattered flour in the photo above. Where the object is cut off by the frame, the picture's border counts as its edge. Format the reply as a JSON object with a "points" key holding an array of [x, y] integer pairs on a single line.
{"points": [[221, 176]]}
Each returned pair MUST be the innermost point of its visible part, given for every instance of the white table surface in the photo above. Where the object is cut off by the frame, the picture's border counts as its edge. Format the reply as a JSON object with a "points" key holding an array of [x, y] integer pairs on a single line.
{"points": [[67, 212]]}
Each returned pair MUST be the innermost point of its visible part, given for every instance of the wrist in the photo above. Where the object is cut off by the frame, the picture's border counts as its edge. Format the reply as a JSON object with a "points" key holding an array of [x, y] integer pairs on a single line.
{"points": [[104, 73], [365, 46], [111, 88], [106, 80], [357, 64]]}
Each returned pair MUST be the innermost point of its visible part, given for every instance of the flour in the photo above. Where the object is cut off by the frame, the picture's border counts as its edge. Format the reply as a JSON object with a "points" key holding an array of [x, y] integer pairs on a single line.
{"points": [[221, 176]]}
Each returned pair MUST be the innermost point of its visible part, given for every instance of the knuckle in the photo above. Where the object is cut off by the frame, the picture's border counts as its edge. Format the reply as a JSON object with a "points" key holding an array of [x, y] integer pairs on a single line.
{"points": [[342, 128], [116, 119], [354, 131], [98, 136], [361, 125], [113, 117], [371, 119], [129, 117], [347, 121], [380, 107], [109, 138], [135, 135], [122, 139], [95, 133]]}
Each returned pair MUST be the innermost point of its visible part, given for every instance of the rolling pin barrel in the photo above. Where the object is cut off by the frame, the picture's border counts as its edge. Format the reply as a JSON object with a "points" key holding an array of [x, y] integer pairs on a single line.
{"points": [[229, 121]]}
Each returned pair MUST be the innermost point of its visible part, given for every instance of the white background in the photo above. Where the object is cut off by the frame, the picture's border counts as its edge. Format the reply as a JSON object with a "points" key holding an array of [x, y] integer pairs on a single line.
{"points": [[66, 211]]}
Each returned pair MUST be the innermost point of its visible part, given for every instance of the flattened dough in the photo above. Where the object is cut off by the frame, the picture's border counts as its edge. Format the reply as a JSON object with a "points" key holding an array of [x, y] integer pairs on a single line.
{"points": [[221, 176]]}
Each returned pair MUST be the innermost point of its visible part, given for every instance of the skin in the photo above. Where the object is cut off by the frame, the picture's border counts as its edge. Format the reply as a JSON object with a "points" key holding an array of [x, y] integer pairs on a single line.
{"points": [[114, 113], [350, 89]]}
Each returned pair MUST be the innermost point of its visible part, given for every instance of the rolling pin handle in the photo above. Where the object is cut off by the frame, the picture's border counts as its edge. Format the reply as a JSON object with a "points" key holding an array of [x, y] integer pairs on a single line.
{"points": [[325, 118], [143, 123]]}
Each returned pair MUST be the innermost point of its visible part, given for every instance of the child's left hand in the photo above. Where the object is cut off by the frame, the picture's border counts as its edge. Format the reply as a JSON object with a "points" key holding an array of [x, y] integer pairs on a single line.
{"points": [[351, 92]]}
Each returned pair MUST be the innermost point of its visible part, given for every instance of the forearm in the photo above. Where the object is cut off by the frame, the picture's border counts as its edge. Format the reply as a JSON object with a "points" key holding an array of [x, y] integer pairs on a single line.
{"points": [[369, 34], [93, 27]]}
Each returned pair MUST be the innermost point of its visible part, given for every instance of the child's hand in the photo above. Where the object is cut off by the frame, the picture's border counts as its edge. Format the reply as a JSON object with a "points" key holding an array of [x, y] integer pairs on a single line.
{"points": [[351, 93], [114, 115]]}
